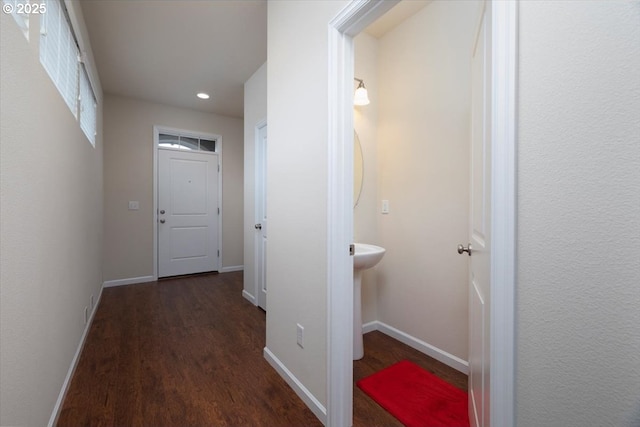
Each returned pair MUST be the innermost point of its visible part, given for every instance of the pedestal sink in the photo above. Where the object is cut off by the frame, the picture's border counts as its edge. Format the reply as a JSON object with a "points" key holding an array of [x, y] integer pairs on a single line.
{"points": [[365, 256]]}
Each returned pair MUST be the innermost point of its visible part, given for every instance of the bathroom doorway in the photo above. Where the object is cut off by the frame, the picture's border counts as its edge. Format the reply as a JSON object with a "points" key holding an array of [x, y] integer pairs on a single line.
{"points": [[350, 22]]}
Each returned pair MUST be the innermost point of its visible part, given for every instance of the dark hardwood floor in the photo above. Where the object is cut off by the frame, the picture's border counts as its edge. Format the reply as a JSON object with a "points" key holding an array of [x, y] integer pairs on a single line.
{"points": [[188, 352]]}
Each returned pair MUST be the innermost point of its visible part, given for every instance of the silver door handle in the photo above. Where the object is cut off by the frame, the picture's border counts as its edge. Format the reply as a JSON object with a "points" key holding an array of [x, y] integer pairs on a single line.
{"points": [[462, 249], [258, 226], [162, 221]]}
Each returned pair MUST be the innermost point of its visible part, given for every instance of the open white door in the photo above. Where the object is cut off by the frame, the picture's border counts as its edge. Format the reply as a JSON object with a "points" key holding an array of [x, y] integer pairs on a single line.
{"points": [[479, 248], [261, 216], [188, 212]]}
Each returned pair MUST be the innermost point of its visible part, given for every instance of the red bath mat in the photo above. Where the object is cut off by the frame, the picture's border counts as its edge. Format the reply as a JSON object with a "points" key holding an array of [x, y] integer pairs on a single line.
{"points": [[416, 397]]}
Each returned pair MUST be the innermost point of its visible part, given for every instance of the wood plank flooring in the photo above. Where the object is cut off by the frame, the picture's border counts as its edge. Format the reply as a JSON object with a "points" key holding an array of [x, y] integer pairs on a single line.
{"points": [[188, 352], [381, 351]]}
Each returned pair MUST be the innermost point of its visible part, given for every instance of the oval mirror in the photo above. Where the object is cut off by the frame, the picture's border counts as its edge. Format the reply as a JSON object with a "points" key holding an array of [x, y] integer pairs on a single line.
{"points": [[358, 169]]}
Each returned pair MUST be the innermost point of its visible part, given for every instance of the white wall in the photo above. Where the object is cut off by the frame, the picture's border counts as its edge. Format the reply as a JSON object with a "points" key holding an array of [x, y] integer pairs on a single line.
{"points": [[128, 175], [422, 142], [51, 228], [366, 125], [297, 187], [255, 110], [578, 295]]}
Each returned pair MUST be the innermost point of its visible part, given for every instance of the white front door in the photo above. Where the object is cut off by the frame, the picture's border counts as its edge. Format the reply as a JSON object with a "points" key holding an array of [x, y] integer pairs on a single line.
{"points": [[480, 224], [188, 212], [261, 216]]}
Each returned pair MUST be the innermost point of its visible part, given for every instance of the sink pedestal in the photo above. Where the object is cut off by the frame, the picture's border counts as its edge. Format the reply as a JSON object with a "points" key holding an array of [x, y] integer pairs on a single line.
{"points": [[358, 346], [365, 256]]}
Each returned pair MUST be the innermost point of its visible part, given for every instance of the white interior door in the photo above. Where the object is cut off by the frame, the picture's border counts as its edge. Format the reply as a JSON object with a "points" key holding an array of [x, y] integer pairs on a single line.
{"points": [[261, 216], [188, 212], [480, 223]]}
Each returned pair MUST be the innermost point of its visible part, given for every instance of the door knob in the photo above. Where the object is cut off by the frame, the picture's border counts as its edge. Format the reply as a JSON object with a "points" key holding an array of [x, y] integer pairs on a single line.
{"points": [[162, 221], [162, 212], [462, 249], [258, 226]]}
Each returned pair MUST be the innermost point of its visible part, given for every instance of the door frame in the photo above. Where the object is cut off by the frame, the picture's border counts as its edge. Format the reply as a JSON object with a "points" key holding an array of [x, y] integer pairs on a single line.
{"points": [[157, 130], [257, 151], [350, 21]]}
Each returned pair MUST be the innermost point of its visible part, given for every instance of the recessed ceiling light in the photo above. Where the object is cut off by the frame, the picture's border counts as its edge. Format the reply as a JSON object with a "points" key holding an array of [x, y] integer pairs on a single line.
{"points": [[203, 95]]}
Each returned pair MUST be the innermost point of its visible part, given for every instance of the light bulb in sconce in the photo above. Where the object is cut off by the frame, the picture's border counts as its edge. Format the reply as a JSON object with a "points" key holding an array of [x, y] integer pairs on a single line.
{"points": [[361, 96]]}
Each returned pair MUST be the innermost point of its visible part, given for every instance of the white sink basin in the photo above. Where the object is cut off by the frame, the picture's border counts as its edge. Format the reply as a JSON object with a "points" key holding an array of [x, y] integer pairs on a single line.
{"points": [[366, 256]]}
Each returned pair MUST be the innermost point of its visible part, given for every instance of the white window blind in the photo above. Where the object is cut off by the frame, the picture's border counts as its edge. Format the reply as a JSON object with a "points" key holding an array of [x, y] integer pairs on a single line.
{"points": [[59, 53], [18, 9], [87, 108]]}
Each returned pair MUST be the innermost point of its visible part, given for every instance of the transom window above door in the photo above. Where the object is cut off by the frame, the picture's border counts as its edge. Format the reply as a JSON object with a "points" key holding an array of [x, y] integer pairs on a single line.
{"points": [[181, 142]]}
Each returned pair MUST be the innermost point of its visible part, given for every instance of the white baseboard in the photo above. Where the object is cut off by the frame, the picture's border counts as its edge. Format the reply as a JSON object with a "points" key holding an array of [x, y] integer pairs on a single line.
{"points": [[74, 362], [423, 347], [145, 279], [231, 268], [370, 327], [129, 281], [249, 297], [303, 393]]}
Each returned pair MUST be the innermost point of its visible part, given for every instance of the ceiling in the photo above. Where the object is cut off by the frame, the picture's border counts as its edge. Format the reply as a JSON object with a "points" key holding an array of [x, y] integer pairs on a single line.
{"points": [[166, 51]]}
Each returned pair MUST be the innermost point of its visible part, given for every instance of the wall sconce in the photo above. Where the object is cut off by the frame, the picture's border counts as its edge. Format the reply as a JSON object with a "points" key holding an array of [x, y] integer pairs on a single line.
{"points": [[361, 96]]}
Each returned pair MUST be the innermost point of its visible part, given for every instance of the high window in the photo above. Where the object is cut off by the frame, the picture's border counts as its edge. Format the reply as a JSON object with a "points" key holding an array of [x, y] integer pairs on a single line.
{"points": [[60, 56], [87, 108], [59, 53]]}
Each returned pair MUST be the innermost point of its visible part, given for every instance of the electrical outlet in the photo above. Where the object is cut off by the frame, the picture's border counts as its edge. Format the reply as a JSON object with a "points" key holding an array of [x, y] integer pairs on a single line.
{"points": [[300, 335], [86, 315]]}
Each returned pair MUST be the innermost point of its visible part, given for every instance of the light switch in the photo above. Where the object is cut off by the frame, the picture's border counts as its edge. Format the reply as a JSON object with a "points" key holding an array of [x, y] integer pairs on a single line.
{"points": [[385, 206], [134, 205]]}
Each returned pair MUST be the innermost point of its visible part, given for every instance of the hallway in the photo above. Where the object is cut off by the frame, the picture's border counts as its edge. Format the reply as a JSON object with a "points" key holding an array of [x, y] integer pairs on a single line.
{"points": [[188, 352]]}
